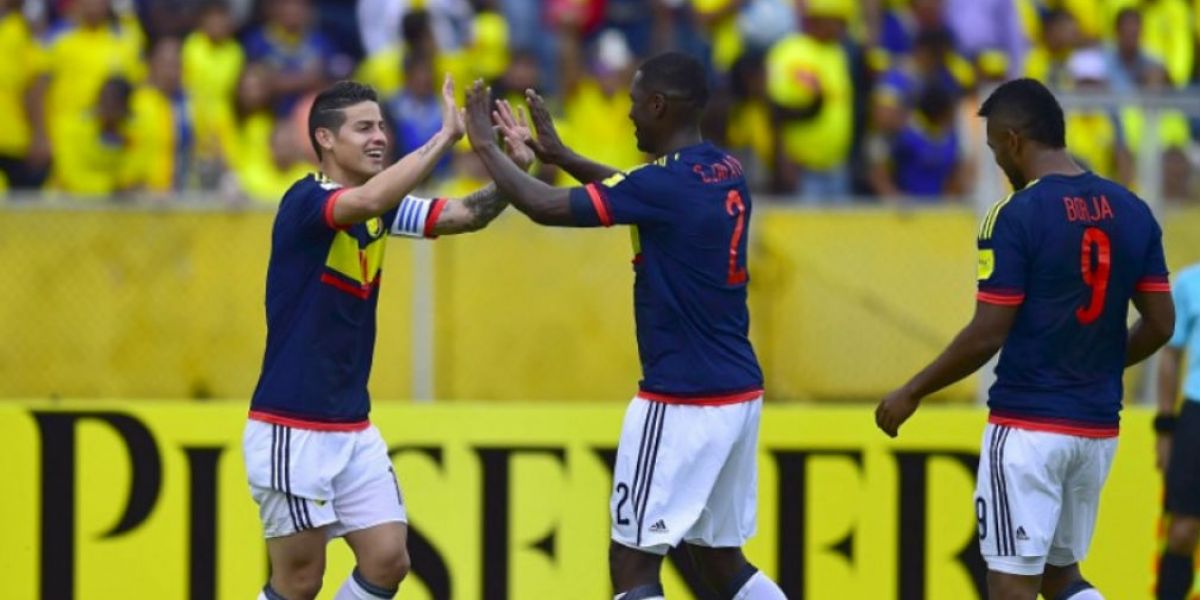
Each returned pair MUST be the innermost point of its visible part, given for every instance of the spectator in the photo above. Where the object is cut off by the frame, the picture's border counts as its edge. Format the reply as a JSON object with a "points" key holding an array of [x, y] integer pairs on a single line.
{"points": [[416, 111], [98, 161], [933, 61], [256, 144], [749, 133], [212, 62], [981, 25], [1047, 61], [297, 55], [384, 70], [162, 131], [17, 80], [903, 22], [1168, 37], [808, 82], [1179, 178], [1095, 136], [1129, 66], [524, 73], [379, 22], [92, 46], [596, 104], [923, 160]]}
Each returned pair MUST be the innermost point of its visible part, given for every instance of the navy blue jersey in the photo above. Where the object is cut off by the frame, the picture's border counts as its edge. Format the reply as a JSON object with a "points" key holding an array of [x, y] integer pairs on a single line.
{"points": [[691, 214], [1071, 251], [322, 290]]}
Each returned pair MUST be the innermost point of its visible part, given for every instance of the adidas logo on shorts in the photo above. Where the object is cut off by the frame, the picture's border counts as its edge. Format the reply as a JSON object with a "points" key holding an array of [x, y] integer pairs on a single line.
{"points": [[658, 527], [1021, 534]]}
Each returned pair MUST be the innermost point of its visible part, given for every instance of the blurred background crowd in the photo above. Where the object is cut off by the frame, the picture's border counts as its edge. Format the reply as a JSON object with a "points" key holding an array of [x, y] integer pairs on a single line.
{"points": [[824, 101]]}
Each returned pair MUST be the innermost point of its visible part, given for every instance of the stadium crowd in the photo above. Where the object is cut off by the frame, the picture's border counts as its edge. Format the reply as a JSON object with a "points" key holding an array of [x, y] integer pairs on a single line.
{"points": [[822, 100]]}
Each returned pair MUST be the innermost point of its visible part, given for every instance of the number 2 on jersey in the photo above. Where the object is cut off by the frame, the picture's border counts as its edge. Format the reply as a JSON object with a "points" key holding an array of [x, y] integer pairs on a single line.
{"points": [[1095, 277], [735, 208]]}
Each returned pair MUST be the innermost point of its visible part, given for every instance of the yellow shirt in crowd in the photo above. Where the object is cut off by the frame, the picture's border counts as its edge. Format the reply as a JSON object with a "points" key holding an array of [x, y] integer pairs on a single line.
{"points": [[23, 65], [92, 164], [210, 77], [79, 60], [598, 126], [798, 69]]}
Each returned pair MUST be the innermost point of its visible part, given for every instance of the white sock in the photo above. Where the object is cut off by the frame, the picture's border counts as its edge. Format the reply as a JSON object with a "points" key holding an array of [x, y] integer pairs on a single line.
{"points": [[261, 596], [354, 589], [1086, 594], [760, 587]]}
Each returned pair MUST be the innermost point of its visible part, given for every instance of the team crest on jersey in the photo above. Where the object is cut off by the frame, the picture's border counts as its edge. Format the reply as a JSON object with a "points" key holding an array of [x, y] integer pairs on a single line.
{"points": [[374, 227]]}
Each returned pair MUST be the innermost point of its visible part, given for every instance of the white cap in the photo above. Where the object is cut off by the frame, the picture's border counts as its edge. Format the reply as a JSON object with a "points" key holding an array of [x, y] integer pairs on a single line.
{"points": [[1088, 64], [612, 51]]}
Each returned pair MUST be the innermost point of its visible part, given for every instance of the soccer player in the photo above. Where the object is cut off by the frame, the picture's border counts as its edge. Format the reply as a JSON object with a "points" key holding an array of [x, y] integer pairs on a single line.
{"points": [[686, 464], [317, 468], [1179, 440], [1059, 261]]}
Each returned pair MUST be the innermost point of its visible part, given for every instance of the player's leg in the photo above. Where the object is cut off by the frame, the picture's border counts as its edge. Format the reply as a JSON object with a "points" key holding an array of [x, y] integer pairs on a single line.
{"points": [[381, 562], [1176, 568], [1067, 583], [728, 573], [1018, 498], [372, 518], [668, 459], [634, 572], [1010, 586], [730, 515], [297, 566], [283, 473], [1084, 479]]}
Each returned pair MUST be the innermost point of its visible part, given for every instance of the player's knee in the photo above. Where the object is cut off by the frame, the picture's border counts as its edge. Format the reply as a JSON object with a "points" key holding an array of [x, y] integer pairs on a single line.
{"points": [[387, 567], [1183, 535], [298, 584]]}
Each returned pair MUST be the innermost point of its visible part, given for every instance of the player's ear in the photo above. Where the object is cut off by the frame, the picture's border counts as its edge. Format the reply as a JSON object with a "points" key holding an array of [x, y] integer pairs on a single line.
{"points": [[658, 104], [325, 138]]}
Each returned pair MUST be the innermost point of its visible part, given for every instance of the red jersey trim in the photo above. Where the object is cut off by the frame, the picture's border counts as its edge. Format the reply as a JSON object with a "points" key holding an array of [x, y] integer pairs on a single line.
{"points": [[435, 211], [361, 292], [1154, 283], [256, 415], [599, 204], [735, 398], [329, 211], [1000, 299], [1074, 428]]}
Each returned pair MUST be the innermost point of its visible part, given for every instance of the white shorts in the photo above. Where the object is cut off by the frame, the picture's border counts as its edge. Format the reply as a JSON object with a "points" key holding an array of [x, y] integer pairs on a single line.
{"points": [[686, 473], [1037, 496], [303, 479]]}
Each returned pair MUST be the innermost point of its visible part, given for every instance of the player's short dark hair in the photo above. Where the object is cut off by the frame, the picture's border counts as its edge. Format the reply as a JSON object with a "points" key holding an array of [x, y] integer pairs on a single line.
{"points": [[1030, 108], [327, 109], [678, 76]]}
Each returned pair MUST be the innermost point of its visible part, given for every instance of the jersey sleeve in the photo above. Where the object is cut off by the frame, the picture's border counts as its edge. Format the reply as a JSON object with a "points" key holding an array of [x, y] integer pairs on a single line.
{"points": [[1154, 270], [623, 199], [1003, 258], [414, 217], [307, 208]]}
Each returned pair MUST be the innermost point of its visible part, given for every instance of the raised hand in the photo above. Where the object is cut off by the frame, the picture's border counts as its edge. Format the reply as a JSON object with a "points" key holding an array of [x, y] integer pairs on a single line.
{"points": [[478, 115], [515, 129], [452, 119], [548, 146]]}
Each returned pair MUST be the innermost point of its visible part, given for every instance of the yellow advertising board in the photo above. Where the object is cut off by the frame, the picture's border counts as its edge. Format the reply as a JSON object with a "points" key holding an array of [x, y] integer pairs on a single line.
{"points": [[118, 500]]}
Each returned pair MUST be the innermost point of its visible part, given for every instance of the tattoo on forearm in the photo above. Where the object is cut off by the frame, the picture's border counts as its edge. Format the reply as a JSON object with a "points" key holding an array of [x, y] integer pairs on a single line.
{"points": [[427, 148], [485, 205]]}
